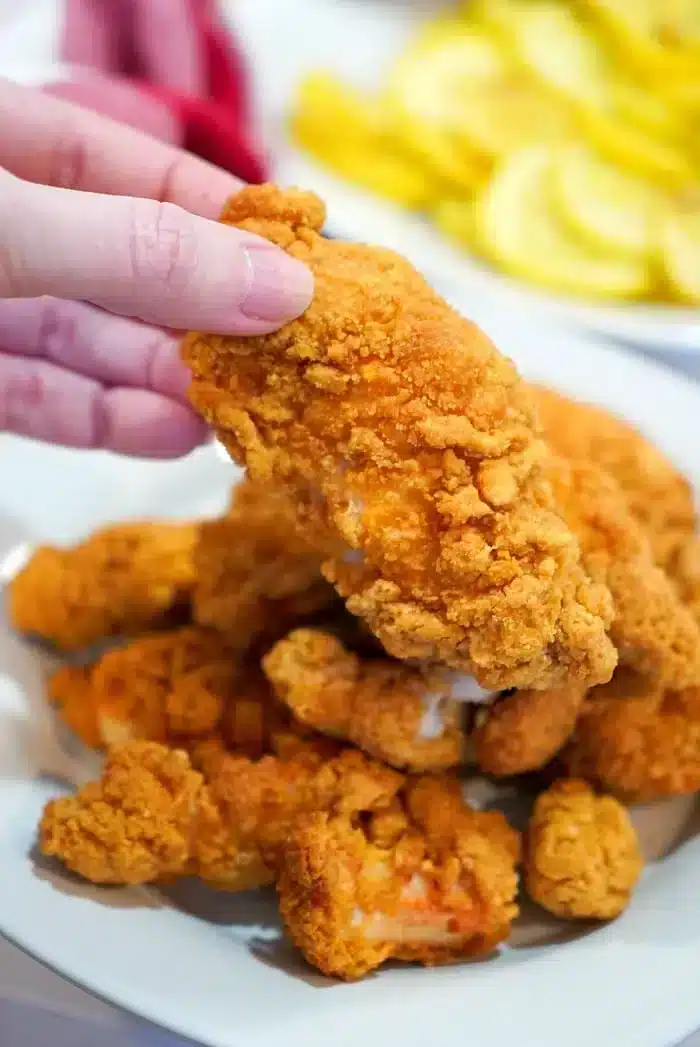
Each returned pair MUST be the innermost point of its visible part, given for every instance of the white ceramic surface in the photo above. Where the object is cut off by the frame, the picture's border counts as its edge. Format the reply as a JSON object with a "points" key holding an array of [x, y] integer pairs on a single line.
{"points": [[214, 967], [356, 38]]}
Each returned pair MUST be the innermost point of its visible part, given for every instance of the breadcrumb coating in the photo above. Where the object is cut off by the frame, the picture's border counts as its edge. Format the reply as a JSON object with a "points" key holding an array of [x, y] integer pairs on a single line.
{"points": [[582, 854], [70, 693], [658, 495], [140, 690], [398, 428], [256, 573], [401, 715], [250, 807], [133, 826], [120, 581], [524, 730], [652, 629], [436, 893], [638, 741]]}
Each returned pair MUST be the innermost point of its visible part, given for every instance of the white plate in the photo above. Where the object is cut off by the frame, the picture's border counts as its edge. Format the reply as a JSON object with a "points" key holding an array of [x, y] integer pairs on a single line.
{"points": [[356, 38], [213, 967]]}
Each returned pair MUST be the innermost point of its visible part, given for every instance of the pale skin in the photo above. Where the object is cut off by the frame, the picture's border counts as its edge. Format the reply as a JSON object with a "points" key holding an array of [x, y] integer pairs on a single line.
{"points": [[110, 248]]}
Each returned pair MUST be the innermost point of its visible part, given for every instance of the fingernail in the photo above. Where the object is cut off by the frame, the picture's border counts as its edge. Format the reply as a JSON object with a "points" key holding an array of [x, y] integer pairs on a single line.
{"points": [[280, 288]]}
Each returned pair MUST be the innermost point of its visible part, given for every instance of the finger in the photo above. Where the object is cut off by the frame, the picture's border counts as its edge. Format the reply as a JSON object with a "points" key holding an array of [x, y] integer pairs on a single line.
{"points": [[140, 258], [120, 100], [90, 37], [99, 345], [51, 141], [45, 402], [168, 45]]}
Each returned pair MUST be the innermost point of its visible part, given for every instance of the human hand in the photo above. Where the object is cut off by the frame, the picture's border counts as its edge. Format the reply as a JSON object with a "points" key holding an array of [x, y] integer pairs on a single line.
{"points": [[96, 212]]}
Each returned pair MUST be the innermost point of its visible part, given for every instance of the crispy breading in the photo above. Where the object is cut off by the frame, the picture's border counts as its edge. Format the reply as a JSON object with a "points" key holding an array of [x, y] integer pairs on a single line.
{"points": [[441, 890], [71, 694], [399, 429], [658, 494], [256, 572], [652, 629], [637, 741], [582, 854], [133, 826], [395, 713], [685, 574], [120, 581], [250, 807], [133, 685], [523, 730]]}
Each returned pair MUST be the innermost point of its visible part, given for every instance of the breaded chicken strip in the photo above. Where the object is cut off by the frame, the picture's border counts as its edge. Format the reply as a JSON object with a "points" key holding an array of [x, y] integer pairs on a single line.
{"points": [[442, 890], [652, 629], [249, 809], [161, 685], [637, 741], [659, 496], [255, 572], [686, 574], [400, 430], [523, 730], [70, 693], [133, 826], [120, 581], [582, 854], [393, 712]]}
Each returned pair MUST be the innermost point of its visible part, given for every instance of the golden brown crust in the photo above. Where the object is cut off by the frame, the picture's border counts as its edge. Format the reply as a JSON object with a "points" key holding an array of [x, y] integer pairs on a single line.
{"points": [[436, 890], [133, 826], [256, 574], [582, 855], [377, 704], [120, 581], [133, 685], [399, 429], [637, 741], [652, 629], [523, 731], [659, 496], [70, 693], [250, 808]]}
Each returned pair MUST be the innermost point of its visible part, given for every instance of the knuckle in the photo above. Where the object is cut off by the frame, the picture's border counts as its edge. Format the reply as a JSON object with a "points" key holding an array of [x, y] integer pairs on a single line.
{"points": [[57, 329], [163, 246], [22, 395]]}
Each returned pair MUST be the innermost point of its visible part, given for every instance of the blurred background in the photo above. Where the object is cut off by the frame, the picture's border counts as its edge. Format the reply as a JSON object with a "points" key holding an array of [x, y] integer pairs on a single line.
{"points": [[539, 154]]}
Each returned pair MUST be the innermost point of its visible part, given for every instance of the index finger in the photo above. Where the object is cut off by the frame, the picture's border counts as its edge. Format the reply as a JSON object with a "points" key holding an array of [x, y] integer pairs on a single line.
{"points": [[54, 142]]}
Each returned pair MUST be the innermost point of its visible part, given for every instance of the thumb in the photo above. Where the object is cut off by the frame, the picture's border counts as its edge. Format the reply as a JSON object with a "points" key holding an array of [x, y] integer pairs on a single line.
{"points": [[145, 259]]}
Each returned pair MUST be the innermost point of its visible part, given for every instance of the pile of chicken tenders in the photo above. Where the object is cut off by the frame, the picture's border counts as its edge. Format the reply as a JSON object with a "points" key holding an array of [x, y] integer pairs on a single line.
{"points": [[432, 570]]}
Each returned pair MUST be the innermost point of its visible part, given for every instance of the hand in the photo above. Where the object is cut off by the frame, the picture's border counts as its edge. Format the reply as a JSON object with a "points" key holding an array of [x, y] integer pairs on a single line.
{"points": [[96, 212]]}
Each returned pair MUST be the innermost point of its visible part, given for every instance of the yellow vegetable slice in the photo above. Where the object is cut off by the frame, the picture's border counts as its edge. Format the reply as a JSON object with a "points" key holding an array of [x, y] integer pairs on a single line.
{"points": [[680, 248], [555, 46], [660, 37], [351, 135], [663, 162], [429, 81], [440, 152], [517, 226], [608, 209], [506, 114], [456, 219], [646, 110]]}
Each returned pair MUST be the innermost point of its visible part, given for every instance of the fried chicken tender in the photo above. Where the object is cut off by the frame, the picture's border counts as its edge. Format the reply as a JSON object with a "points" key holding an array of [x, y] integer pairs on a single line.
{"points": [[442, 890], [399, 430], [133, 826], [686, 574], [637, 740], [395, 713], [652, 629], [249, 809], [256, 573], [524, 730], [161, 685], [121, 581], [71, 694], [582, 854], [659, 496]]}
